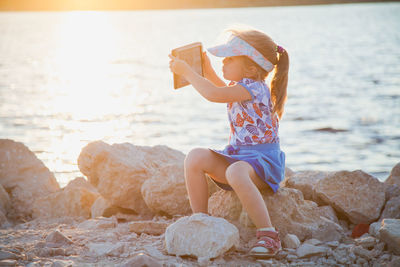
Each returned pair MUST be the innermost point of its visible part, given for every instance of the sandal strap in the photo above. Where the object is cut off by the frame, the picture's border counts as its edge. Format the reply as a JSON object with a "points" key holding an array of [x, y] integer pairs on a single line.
{"points": [[271, 234], [270, 244]]}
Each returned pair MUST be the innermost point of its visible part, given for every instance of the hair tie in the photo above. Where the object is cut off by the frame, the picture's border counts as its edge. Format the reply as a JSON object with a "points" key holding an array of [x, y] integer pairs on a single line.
{"points": [[279, 49]]}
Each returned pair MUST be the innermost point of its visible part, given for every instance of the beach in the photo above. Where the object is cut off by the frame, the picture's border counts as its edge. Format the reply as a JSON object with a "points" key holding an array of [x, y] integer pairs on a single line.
{"points": [[323, 219]]}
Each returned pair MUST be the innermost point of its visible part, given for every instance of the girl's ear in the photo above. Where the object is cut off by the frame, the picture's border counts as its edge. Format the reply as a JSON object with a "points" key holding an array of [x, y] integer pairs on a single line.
{"points": [[252, 71]]}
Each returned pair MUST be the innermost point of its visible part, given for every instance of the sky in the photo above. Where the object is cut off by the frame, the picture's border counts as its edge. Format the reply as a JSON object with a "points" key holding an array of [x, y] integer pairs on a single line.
{"points": [[61, 5]]}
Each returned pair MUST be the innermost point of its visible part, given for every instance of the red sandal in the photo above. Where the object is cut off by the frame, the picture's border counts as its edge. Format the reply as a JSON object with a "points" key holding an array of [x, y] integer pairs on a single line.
{"points": [[268, 244]]}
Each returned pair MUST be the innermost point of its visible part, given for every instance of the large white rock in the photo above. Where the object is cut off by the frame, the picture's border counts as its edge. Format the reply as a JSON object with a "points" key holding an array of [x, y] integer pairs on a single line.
{"points": [[165, 191], [289, 213], [357, 195], [76, 199], [119, 170], [24, 176], [390, 234], [305, 182], [201, 235]]}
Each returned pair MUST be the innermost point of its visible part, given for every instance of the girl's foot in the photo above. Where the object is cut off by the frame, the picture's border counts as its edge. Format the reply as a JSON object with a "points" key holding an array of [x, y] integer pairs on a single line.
{"points": [[268, 244]]}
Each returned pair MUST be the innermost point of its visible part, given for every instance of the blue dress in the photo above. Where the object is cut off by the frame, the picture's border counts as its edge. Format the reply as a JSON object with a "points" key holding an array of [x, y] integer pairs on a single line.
{"points": [[254, 135]]}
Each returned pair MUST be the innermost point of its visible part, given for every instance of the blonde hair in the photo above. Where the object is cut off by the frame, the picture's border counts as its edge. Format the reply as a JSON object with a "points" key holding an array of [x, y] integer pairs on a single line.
{"points": [[268, 48]]}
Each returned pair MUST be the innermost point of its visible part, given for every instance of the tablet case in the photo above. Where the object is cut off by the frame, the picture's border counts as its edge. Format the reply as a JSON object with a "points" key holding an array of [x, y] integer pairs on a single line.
{"points": [[192, 54]]}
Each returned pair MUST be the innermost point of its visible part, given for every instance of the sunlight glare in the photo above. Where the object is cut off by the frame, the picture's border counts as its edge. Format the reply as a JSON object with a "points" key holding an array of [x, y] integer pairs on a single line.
{"points": [[86, 47]]}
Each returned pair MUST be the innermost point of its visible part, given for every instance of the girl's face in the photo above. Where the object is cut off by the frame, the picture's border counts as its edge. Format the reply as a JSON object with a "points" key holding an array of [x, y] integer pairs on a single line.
{"points": [[233, 68]]}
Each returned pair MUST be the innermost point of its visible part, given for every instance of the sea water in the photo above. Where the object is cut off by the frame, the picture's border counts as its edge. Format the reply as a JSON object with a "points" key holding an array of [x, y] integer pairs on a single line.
{"points": [[70, 78]]}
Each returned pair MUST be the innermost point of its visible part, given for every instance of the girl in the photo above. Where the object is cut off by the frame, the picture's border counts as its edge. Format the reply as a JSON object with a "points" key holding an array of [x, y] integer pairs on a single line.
{"points": [[253, 160]]}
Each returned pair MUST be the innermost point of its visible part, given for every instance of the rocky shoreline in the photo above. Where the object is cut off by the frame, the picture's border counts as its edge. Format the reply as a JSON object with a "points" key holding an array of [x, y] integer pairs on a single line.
{"points": [[131, 209]]}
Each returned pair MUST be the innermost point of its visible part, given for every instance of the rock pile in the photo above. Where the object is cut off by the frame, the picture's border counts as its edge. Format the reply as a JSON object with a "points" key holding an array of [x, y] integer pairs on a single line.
{"points": [[133, 211], [143, 179]]}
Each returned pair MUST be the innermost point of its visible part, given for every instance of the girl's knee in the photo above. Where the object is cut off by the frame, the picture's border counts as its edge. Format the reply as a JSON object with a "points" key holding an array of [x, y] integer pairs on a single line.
{"points": [[195, 158], [236, 174]]}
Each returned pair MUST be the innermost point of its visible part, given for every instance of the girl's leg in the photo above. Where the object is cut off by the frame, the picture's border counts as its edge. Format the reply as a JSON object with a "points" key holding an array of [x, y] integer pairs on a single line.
{"points": [[198, 162], [246, 183]]}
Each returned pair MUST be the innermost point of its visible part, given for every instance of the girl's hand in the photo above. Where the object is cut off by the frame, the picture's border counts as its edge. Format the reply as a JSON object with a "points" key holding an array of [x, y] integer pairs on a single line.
{"points": [[209, 72], [178, 66], [207, 68]]}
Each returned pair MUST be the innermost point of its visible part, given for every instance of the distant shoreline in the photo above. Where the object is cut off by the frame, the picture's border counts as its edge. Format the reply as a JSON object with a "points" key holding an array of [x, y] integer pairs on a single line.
{"points": [[105, 5]]}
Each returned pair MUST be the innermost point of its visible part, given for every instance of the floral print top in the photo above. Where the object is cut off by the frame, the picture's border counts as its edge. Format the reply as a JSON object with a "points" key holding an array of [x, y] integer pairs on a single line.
{"points": [[252, 121]]}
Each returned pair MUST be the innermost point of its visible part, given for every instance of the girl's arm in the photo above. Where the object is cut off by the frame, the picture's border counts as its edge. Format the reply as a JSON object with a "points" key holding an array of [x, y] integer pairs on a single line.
{"points": [[209, 72], [222, 94]]}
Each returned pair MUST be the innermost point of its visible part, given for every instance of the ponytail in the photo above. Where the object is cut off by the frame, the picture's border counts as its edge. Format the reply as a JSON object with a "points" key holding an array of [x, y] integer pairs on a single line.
{"points": [[277, 56], [279, 82]]}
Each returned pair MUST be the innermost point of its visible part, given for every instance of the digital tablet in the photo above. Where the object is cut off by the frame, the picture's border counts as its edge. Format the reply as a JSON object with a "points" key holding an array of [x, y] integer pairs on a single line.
{"points": [[192, 54]]}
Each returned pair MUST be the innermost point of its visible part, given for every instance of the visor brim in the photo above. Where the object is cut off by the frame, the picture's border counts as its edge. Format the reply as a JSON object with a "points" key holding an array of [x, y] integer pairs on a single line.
{"points": [[224, 50]]}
